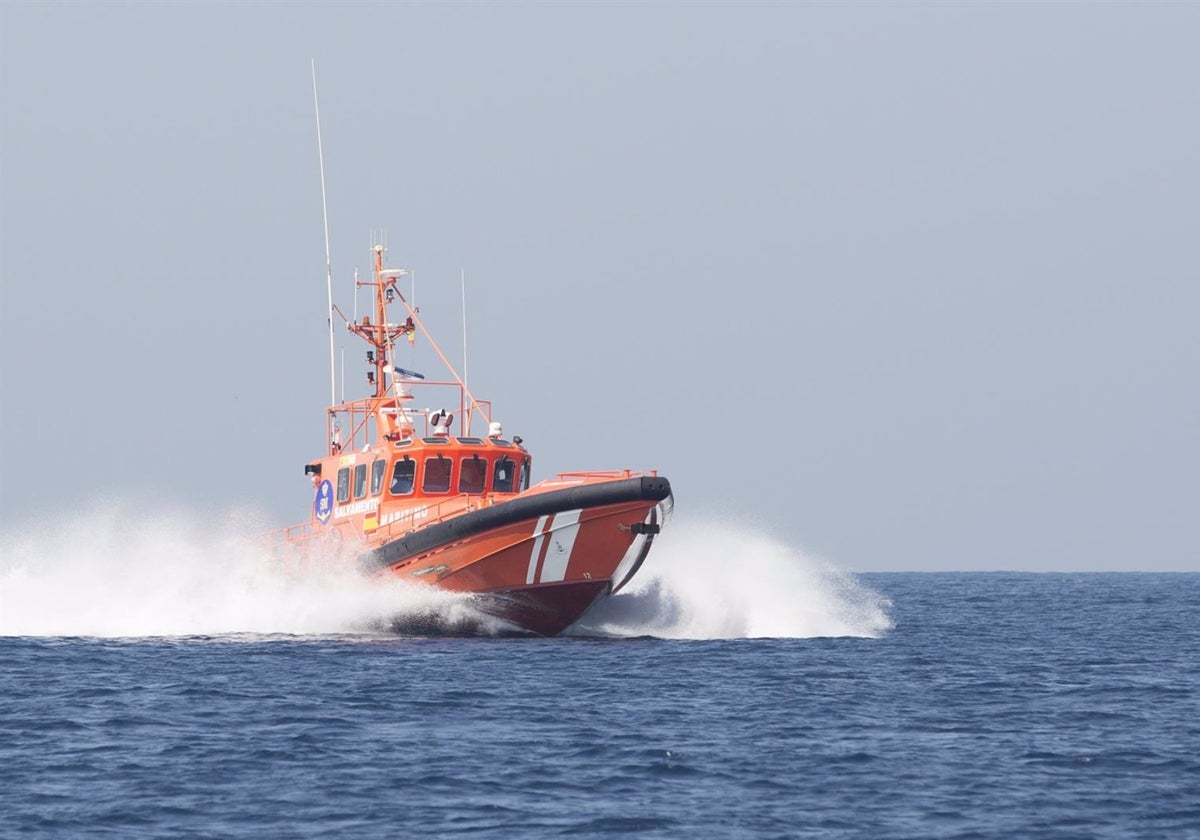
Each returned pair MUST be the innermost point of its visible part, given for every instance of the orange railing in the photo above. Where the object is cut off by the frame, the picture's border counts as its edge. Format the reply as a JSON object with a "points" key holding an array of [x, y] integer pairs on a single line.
{"points": [[288, 534], [360, 415], [434, 512], [604, 474]]}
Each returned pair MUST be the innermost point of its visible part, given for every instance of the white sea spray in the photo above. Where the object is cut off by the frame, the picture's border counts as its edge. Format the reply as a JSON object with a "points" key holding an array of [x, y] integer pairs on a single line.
{"points": [[712, 580], [120, 572]]}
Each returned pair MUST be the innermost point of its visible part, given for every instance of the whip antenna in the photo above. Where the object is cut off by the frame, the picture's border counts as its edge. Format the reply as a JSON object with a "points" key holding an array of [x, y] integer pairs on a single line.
{"points": [[325, 218], [463, 275]]}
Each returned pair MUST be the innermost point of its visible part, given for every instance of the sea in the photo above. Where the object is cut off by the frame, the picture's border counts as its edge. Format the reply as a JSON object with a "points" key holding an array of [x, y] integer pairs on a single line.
{"points": [[159, 681]]}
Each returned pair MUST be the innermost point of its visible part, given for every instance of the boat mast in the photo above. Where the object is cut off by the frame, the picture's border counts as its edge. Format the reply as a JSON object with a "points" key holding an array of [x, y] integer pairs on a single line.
{"points": [[379, 333]]}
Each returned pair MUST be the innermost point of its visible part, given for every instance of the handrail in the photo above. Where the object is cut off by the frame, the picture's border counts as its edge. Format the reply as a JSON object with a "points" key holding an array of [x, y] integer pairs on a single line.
{"points": [[434, 513], [361, 411], [288, 534], [430, 514], [599, 474]]}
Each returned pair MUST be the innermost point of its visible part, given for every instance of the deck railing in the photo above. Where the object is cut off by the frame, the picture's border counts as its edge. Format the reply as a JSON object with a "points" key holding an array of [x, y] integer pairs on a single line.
{"points": [[433, 512]]}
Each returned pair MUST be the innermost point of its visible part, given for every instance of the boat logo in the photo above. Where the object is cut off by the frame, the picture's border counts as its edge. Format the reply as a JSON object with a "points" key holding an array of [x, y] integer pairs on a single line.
{"points": [[323, 504]]}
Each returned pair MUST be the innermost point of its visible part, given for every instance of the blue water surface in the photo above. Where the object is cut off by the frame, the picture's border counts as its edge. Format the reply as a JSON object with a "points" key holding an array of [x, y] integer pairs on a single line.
{"points": [[1000, 705]]}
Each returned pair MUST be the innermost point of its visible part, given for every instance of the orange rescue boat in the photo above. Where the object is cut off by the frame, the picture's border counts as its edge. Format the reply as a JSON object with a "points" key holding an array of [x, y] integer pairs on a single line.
{"points": [[455, 510]]}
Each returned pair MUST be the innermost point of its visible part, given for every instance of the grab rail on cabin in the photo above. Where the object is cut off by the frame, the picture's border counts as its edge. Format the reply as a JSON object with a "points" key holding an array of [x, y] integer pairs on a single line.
{"points": [[598, 474], [567, 476], [427, 514], [432, 514], [360, 413], [452, 506]]}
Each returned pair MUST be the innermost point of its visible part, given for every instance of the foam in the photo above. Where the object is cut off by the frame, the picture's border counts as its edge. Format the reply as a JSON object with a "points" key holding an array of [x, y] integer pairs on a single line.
{"points": [[119, 573], [708, 580]]}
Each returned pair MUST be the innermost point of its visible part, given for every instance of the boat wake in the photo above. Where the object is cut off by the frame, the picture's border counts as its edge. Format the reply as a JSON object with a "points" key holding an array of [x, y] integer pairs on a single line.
{"points": [[715, 581], [118, 574], [114, 573]]}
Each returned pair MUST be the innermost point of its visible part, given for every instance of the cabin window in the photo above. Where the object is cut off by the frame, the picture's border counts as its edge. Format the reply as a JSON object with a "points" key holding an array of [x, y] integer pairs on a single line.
{"points": [[437, 475], [378, 469], [402, 477], [503, 476], [343, 488], [525, 475], [360, 481], [472, 474]]}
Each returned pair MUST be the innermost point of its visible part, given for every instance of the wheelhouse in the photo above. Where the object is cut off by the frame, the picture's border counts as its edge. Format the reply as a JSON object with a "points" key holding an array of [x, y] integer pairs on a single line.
{"points": [[388, 461], [423, 469]]}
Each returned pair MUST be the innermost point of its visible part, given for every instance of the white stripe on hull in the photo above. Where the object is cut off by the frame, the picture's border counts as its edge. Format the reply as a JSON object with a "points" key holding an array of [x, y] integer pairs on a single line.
{"points": [[538, 531], [564, 530]]}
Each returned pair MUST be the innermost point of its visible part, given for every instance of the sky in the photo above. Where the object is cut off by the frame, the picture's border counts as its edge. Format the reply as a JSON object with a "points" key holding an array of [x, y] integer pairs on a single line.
{"points": [[913, 286]]}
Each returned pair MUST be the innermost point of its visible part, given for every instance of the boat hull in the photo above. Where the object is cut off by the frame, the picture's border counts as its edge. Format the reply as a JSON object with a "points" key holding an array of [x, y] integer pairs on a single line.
{"points": [[540, 561], [544, 610]]}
